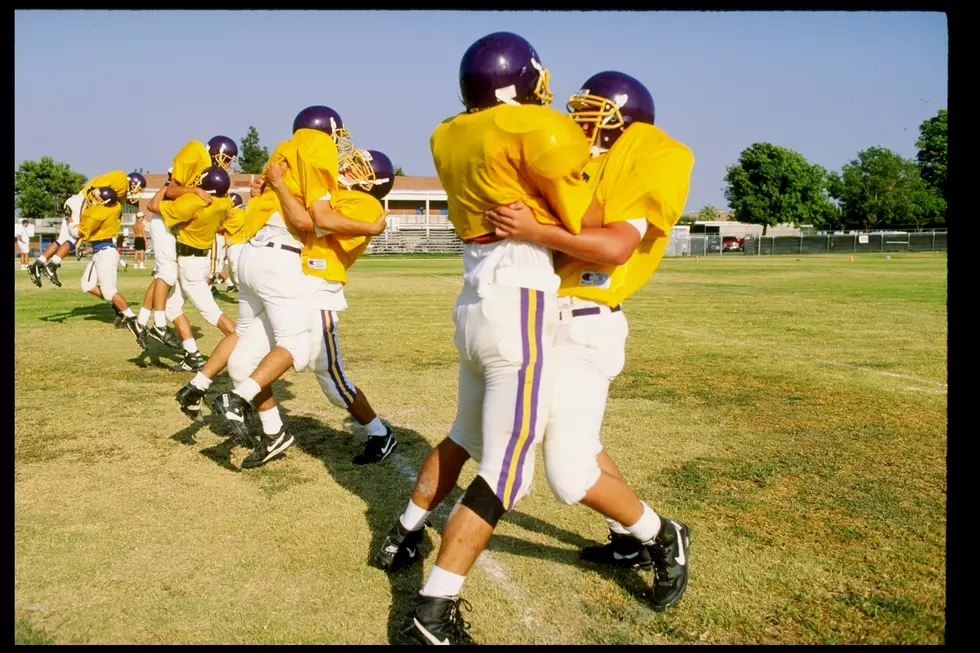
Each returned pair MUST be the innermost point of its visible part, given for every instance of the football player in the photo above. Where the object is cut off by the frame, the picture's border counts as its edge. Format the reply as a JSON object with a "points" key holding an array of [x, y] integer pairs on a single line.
{"points": [[641, 176], [271, 274], [50, 260], [195, 223], [234, 241], [507, 145], [99, 224], [184, 177], [219, 248], [326, 258]]}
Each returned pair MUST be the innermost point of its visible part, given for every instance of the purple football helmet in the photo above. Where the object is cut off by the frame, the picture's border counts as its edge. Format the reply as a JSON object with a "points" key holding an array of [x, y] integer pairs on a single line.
{"points": [[329, 122], [103, 196], [216, 181], [502, 68], [608, 103], [371, 171], [236, 199], [137, 184], [223, 151]]}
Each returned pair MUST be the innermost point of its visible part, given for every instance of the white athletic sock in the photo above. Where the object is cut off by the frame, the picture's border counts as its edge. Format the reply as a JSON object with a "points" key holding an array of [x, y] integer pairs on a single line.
{"points": [[271, 421], [129, 312], [160, 319], [375, 427], [42, 258], [190, 346], [56, 259], [442, 583], [247, 389], [414, 517], [144, 317], [616, 527], [646, 527], [201, 382]]}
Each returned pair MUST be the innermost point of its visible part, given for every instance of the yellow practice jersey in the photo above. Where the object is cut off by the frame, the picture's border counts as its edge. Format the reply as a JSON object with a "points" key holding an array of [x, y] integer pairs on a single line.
{"points": [[99, 222], [507, 154], [329, 257], [117, 180], [646, 174], [192, 160], [197, 220], [311, 157], [232, 227]]}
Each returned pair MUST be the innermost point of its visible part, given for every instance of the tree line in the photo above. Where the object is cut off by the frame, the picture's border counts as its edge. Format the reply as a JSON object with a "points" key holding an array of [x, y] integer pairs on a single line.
{"points": [[41, 187], [879, 188]]}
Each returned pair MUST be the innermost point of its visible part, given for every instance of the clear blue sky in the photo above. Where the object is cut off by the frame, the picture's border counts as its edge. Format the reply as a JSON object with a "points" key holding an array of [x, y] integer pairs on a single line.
{"points": [[116, 89]]}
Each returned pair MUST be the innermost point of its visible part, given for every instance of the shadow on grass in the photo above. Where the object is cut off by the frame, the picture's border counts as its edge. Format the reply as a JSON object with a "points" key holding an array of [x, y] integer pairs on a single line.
{"points": [[336, 449]]}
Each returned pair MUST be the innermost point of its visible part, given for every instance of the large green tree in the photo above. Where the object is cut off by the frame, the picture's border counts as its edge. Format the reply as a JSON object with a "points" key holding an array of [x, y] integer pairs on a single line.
{"points": [[41, 187], [773, 185], [252, 156], [399, 172], [932, 152], [880, 188]]}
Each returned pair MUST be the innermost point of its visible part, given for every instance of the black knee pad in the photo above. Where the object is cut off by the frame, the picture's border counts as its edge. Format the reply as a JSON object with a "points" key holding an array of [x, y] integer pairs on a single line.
{"points": [[483, 501]]}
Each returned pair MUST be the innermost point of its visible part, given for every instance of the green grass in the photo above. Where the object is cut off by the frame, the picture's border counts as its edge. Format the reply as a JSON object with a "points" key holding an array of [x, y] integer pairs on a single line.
{"points": [[791, 410]]}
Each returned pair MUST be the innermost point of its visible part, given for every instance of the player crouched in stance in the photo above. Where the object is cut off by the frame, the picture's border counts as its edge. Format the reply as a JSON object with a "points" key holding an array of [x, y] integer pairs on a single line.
{"points": [[506, 146], [99, 225], [641, 176], [50, 260], [196, 222]]}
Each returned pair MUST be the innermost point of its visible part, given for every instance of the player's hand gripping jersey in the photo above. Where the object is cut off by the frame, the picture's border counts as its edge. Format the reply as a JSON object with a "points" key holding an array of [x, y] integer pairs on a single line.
{"points": [[646, 174], [311, 175], [525, 153]]}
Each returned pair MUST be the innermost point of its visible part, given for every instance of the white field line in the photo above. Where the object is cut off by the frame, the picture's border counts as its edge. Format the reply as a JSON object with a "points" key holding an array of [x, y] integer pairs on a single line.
{"points": [[730, 341], [492, 568]]}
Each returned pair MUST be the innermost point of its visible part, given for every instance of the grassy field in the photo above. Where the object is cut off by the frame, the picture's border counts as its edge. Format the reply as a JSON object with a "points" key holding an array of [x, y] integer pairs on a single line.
{"points": [[791, 410]]}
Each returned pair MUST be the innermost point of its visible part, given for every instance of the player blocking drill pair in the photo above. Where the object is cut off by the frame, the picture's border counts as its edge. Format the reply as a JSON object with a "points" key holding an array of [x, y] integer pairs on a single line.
{"points": [[184, 178], [302, 187], [99, 224], [49, 261], [583, 356]]}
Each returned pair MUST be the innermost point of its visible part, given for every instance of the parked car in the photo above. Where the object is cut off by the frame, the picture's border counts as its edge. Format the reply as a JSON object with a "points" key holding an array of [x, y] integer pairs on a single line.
{"points": [[732, 244]]}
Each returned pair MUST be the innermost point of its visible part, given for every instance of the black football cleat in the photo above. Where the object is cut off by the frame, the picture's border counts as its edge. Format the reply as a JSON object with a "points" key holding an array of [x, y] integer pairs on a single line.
{"points": [[269, 447], [239, 415], [191, 362], [436, 620], [377, 448], [670, 552], [622, 551], [191, 400], [51, 272], [400, 548], [35, 276]]}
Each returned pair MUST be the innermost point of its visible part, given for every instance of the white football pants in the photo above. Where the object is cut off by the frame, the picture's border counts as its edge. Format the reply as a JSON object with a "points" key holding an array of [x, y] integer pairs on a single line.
{"points": [[102, 271], [589, 352], [504, 339]]}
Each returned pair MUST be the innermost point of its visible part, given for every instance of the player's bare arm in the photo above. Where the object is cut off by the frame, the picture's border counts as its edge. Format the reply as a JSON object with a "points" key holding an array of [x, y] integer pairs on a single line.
{"points": [[294, 211], [154, 205], [611, 244], [327, 219], [174, 190]]}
